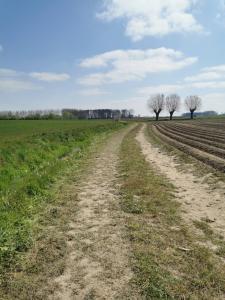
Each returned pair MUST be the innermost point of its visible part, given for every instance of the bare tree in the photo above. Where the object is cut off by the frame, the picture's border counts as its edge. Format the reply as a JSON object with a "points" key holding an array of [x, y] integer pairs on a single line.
{"points": [[156, 104], [193, 103], [172, 104]]}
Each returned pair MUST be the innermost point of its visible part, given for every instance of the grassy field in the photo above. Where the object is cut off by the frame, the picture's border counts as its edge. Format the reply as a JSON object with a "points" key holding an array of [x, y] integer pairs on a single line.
{"points": [[19, 129], [33, 155]]}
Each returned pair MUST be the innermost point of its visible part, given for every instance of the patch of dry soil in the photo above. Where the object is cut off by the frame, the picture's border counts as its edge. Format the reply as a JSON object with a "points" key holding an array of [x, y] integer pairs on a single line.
{"points": [[97, 266], [199, 200]]}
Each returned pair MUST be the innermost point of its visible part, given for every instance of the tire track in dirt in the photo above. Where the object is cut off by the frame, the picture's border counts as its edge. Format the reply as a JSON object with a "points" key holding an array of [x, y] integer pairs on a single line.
{"points": [[199, 201], [97, 266]]}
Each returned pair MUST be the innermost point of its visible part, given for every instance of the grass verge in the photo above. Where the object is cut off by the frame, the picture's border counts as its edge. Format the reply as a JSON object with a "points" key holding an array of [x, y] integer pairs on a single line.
{"points": [[35, 207], [168, 261]]}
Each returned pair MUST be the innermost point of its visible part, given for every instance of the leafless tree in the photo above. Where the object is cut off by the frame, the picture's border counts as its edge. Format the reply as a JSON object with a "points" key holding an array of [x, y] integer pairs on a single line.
{"points": [[193, 103], [172, 104], [156, 104]]}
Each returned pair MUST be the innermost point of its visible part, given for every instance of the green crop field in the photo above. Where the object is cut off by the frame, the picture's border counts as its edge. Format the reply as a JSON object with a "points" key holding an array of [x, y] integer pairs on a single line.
{"points": [[17, 129], [32, 155]]}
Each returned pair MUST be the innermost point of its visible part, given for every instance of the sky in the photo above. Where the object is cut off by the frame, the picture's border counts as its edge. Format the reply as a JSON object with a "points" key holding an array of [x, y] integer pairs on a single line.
{"points": [[90, 54]]}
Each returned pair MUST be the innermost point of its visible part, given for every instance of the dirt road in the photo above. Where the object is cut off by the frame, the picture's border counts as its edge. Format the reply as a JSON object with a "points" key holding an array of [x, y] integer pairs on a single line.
{"points": [[97, 266], [199, 200]]}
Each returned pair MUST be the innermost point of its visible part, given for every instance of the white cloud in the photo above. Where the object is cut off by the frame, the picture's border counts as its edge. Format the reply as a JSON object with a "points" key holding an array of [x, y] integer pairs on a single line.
{"points": [[92, 79], [49, 77], [127, 65], [165, 89], [1, 48], [16, 81], [208, 74], [42, 76], [152, 17], [209, 85], [214, 101], [8, 73], [12, 85], [205, 76], [92, 92], [221, 12], [218, 68], [182, 87]]}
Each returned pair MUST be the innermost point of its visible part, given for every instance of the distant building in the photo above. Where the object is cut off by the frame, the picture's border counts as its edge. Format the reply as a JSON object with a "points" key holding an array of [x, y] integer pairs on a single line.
{"points": [[95, 114], [208, 113]]}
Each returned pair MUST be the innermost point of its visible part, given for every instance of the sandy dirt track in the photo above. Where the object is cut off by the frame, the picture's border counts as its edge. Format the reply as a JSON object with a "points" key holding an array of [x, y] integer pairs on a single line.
{"points": [[199, 200], [97, 266]]}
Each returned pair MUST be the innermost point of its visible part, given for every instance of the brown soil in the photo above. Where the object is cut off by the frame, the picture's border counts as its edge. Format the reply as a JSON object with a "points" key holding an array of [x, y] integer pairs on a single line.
{"points": [[199, 200], [205, 157], [187, 140], [97, 266]]}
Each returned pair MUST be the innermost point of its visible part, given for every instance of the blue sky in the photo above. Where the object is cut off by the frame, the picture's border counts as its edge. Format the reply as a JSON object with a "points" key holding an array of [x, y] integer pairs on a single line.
{"points": [[110, 53]]}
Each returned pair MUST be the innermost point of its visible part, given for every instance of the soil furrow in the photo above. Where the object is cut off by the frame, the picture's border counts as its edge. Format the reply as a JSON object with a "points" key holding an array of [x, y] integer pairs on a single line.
{"points": [[199, 201], [190, 142], [207, 158], [199, 128], [201, 137]]}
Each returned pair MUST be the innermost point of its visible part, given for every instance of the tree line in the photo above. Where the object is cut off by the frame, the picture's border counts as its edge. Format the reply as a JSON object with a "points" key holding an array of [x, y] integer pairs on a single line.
{"points": [[67, 114], [97, 114], [158, 102], [47, 114]]}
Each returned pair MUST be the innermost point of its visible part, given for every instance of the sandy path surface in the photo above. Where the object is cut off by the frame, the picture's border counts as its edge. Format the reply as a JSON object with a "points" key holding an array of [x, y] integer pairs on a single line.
{"points": [[98, 260], [199, 200]]}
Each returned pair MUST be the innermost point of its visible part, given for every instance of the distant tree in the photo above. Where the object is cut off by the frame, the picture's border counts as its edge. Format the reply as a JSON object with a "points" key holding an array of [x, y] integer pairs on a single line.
{"points": [[156, 104], [193, 103], [172, 104], [67, 114]]}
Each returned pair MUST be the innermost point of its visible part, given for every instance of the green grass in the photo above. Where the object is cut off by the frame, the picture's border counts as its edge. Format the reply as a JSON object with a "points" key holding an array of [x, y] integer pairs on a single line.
{"points": [[20, 129], [167, 258], [33, 155]]}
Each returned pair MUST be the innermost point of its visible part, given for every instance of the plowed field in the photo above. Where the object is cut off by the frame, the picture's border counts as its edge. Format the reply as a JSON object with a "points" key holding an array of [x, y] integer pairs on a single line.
{"points": [[204, 140]]}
